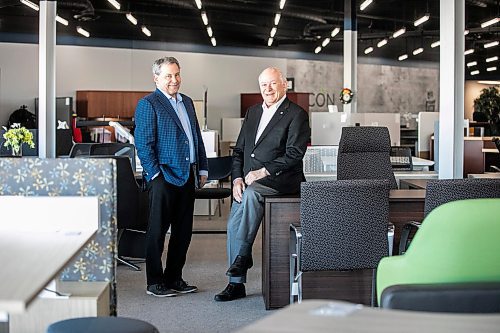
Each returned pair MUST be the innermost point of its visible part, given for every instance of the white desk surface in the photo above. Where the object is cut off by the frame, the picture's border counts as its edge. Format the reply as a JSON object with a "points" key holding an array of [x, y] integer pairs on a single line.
{"points": [[490, 150], [31, 260], [417, 161], [343, 317]]}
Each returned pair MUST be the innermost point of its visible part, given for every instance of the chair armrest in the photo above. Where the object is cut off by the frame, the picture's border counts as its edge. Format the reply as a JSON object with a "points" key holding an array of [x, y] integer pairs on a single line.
{"points": [[471, 297], [405, 234], [494, 168]]}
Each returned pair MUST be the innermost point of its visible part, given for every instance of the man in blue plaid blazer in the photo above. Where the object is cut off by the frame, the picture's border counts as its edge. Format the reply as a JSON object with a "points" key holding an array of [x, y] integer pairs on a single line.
{"points": [[171, 151]]}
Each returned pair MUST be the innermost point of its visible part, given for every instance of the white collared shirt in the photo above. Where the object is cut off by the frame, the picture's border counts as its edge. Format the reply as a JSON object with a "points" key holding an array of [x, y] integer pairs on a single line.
{"points": [[267, 115]]}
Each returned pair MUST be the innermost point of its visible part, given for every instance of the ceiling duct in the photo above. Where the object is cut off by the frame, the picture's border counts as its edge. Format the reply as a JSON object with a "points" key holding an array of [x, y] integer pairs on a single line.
{"points": [[84, 8]]}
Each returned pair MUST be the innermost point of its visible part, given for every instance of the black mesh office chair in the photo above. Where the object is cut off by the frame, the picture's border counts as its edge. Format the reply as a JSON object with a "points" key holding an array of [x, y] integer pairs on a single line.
{"points": [[343, 228], [115, 148], [219, 168], [364, 153], [80, 149], [441, 191]]}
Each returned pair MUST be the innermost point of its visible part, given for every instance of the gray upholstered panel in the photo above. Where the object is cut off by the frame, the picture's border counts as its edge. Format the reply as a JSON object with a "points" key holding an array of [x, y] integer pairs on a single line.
{"points": [[73, 177], [344, 224], [441, 191]]}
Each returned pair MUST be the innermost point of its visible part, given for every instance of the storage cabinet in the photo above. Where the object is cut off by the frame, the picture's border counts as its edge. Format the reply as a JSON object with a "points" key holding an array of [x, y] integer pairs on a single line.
{"points": [[247, 100], [107, 104], [408, 138]]}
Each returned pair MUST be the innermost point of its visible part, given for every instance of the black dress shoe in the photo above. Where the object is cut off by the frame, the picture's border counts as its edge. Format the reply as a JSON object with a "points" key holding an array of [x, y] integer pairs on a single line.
{"points": [[233, 291], [240, 266]]}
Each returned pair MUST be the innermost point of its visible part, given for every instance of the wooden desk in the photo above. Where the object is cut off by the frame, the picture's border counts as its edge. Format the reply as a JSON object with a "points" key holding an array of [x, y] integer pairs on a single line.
{"points": [[280, 211], [35, 246], [342, 317]]}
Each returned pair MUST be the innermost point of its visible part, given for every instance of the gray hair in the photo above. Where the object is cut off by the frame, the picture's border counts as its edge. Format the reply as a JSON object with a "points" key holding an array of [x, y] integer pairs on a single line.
{"points": [[165, 60]]}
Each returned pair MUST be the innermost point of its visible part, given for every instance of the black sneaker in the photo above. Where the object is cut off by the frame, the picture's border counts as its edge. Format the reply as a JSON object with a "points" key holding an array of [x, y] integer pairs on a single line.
{"points": [[159, 290], [182, 287]]}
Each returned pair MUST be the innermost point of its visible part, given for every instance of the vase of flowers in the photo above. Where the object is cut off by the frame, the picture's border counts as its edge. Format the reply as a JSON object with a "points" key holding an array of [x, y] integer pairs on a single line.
{"points": [[15, 137]]}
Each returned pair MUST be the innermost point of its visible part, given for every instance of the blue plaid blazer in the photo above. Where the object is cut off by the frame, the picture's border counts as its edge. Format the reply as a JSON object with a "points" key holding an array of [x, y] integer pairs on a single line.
{"points": [[161, 140]]}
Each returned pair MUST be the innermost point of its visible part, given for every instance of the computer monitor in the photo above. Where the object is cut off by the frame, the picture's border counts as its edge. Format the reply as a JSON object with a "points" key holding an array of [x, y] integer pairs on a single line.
{"points": [[326, 127]]}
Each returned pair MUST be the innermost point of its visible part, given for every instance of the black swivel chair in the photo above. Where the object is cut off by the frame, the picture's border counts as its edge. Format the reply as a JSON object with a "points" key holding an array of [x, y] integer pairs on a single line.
{"points": [[115, 148], [364, 153], [80, 149], [219, 168], [441, 191], [343, 228]]}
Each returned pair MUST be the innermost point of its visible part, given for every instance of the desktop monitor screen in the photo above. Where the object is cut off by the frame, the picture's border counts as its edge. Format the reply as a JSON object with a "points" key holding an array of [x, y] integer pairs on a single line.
{"points": [[326, 127]]}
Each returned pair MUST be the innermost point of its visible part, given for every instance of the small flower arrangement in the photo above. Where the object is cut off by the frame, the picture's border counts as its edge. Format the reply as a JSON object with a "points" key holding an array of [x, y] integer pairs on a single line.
{"points": [[16, 136]]}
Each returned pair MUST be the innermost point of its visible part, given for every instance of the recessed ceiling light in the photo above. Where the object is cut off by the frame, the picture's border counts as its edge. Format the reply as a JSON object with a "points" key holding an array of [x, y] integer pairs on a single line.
{"points": [[273, 32], [146, 31], [474, 72], [213, 41], [317, 49], [204, 18], [209, 31], [436, 44], [61, 20], [491, 69], [365, 4], [270, 41], [398, 33], [487, 45], [418, 51], [495, 58], [325, 42], [472, 63], [469, 51], [115, 4], [335, 32], [368, 50], [382, 42], [403, 57], [490, 22], [30, 4], [282, 4], [489, 82], [131, 18], [421, 20], [198, 3], [82, 31]]}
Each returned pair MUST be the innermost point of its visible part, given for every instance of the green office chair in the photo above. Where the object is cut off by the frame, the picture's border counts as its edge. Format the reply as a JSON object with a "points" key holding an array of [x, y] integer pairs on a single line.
{"points": [[458, 243]]}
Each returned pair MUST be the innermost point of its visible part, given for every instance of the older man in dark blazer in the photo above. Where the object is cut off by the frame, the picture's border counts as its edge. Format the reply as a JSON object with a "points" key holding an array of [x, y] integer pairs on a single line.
{"points": [[171, 150], [267, 161]]}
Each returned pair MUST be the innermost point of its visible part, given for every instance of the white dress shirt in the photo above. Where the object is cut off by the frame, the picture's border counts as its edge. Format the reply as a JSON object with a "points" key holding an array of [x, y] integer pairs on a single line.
{"points": [[267, 115]]}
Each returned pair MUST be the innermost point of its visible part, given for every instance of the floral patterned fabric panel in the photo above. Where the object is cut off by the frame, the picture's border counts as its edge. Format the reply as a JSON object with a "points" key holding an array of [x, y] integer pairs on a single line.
{"points": [[73, 177]]}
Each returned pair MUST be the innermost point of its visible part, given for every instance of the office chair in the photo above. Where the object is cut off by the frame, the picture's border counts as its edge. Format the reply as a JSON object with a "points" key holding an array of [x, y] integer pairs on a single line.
{"points": [[343, 228], [219, 168], [452, 263], [115, 148], [364, 153], [102, 325], [441, 191], [401, 159], [80, 149]]}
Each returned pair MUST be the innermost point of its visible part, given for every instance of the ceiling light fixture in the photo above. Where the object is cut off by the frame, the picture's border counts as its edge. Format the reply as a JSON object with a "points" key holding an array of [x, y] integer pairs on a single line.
{"points": [[488, 45], [436, 44], [115, 4], [204, 18], [403, 57], [131, 18], [365, 4], [82, 31], [469, 51], [382, 42], [282, 4], [317, 49], [474, 72], [495, 58], [213, 41], [277, 18], [421, 20], [30, 4], [335, 32], [491, 69], [198, 3], [209, 31], [472, 63], [368, 50], [325, 42], [490, 22], [418, 51], [489, 82], [146, 31], [270, 41], [61, 20], [466, 32], [399, 32], [273, 31]]}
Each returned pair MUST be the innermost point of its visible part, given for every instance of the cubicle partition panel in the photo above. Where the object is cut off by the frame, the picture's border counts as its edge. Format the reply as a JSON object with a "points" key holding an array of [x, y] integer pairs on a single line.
{"points": [[73, 177]]}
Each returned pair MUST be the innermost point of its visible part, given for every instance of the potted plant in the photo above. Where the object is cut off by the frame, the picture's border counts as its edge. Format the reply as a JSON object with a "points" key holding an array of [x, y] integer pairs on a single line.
{"points": [[15, 137], [488, 103]]}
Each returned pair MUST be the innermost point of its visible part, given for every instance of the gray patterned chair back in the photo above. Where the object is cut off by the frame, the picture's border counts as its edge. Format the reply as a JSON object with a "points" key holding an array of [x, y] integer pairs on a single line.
{"points": [[364, 153], [73, 177], [441, 191], [344, 224]]}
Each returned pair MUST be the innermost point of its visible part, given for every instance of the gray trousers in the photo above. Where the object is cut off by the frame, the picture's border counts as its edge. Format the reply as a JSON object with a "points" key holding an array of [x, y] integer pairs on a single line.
{"points": [[243, 223]]}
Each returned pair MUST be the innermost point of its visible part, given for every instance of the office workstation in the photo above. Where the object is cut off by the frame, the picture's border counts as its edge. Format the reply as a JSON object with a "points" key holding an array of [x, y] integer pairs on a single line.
{"points": [[105, 75]]}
